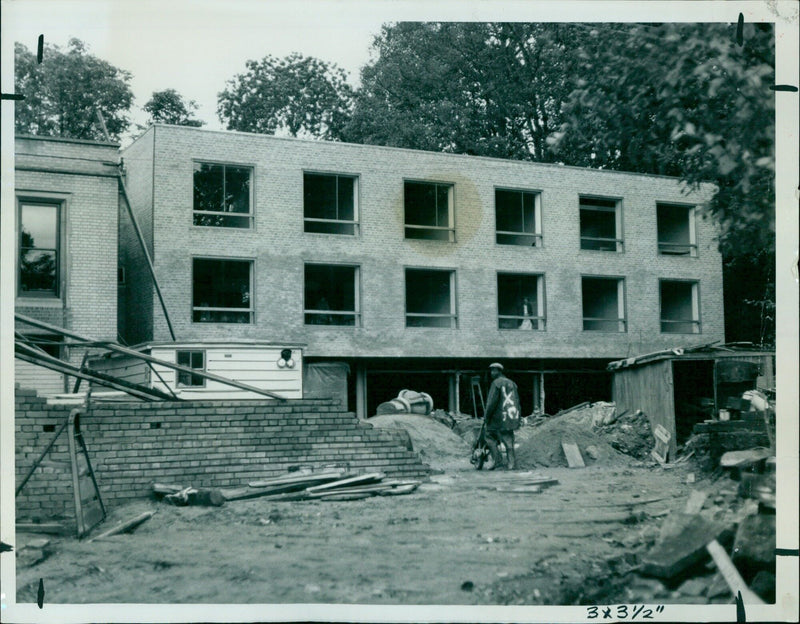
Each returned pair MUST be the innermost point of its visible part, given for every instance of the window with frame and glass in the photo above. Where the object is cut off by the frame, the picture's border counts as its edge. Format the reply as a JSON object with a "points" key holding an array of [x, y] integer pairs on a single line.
{"points": [[190, 359], [520, 301], [222, 195], [518, 217], [601, 224], [676, 230], [431, 298], [330, 203], [331, 295], [680, 307], [429, 211], [222, 291], [603, 301], [39, 261]]}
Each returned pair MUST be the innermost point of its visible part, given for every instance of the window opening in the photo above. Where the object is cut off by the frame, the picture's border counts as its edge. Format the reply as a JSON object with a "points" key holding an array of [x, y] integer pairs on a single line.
{"points": [[191, 359], [331, 295], [222, 195], [601, 229], [517, 218], [430, 298], [330, 203], [429, 211], [39, 250], [520, 301], [680, 312], [676, 233], [221, 291], [603, 304]]}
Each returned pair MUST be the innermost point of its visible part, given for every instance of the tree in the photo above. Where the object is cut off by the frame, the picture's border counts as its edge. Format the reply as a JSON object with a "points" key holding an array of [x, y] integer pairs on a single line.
{"points": [[687, 100], [169, 107], [65, 91], [475, 88], [298, 94]]}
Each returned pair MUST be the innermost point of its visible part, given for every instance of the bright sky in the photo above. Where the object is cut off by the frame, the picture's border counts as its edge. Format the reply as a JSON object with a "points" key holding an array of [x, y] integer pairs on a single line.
{"points": [[196, 47]]}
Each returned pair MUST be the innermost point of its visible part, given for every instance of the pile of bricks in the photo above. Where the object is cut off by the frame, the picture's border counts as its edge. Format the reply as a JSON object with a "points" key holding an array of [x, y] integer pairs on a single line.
{"points": [[214, 444]]}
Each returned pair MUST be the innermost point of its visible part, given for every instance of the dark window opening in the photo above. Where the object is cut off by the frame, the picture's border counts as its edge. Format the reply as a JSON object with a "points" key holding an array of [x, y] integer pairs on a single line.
{"points": [[329, 204], [39, 250], [693, 383], [679, 308], [676, 236], [222, 195], [517, 218], [50, 344], [430, 298], [520, 303], [331, 295], [191, 359], [221, 291], [428, 211], [600, 224], [603, 304]]}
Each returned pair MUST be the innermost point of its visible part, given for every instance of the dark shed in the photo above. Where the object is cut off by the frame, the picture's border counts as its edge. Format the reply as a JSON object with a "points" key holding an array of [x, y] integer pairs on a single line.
{"points": [[678, 388]]}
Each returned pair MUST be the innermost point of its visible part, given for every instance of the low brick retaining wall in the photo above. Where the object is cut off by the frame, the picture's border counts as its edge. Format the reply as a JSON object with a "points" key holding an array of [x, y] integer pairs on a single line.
{"points": [[198, 443]]}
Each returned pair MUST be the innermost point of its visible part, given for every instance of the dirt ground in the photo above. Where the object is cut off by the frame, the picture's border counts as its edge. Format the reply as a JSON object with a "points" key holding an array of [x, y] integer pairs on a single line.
{"points": [[455, 540]]}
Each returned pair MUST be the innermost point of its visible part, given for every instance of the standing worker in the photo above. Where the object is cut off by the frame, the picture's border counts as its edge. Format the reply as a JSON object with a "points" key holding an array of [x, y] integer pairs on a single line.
{"points": [[502, 416]]}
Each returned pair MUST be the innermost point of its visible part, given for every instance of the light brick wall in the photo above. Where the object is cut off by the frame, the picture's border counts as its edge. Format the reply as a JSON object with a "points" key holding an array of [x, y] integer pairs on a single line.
{"points": [[198, 443], [279, 247], [83, 175]]}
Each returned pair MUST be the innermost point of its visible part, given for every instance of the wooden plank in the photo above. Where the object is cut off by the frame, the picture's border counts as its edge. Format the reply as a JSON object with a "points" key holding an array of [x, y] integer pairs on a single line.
{"points": [[308, 478], [248, 492], [731, 574], [345, 497], [681, 544], [737, 459], [573, 454], [371, 477], [696, 501], [399, 489], [52, 528], [521, 489], [661, 450], [128, 525], [367, 489]]}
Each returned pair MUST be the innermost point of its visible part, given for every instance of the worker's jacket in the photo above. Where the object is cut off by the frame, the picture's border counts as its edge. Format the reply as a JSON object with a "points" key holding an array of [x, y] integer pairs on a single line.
{"points": [[502, 408]]}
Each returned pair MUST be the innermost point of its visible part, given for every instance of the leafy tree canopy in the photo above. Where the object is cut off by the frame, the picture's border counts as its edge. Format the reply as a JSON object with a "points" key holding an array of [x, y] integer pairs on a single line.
{"points": [[63, 93], [169, 107], [298, 94], [476, 88]]}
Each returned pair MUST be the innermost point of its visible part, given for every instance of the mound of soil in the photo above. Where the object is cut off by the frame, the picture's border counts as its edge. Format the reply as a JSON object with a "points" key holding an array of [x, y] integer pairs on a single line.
{"points": [[435, 443], [630, 434], [541, 446]]}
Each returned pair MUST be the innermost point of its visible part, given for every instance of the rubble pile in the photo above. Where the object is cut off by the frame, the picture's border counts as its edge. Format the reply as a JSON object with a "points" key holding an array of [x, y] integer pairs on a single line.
{"points": [[436, 443], [629, 433]]}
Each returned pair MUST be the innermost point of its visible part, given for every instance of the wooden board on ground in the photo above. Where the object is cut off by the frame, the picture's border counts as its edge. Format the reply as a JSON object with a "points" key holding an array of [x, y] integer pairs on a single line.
{"points": [[681, 544], [399, 489], [740, 459], [696, 501], [372, 477], [661, 450], [346, 497], [248, 492], [128, 525], [367, 489], [731, 574], [308, 478], [51, 528], [573, 454], [521, 489]]}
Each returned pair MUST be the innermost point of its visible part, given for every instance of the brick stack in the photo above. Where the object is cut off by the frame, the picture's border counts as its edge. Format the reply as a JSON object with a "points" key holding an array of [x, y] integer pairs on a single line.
{"points": [[214, 444]]}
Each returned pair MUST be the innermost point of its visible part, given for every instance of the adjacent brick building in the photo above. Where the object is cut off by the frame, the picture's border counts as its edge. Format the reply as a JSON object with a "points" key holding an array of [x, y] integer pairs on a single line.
{"points": [[415, 269], [67, 228]]}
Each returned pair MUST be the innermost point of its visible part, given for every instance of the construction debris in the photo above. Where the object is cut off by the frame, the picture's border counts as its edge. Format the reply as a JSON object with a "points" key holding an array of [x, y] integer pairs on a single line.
{"points": [[731, 574], [661, 450], [124, 527], [573, 455], [53, 528], [407, 402]]}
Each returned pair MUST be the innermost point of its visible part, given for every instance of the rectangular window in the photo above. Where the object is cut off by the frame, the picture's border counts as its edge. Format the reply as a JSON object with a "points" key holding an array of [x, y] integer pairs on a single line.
{"points": [[190, 359], [39, 249], [221, 291], [223, 195], [601, 224], [331, 295], [518, 217], [680, 307], [330, 203], [520, 301], [429, 211], [430, 298], [603, 304], [676, 233]]}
